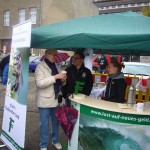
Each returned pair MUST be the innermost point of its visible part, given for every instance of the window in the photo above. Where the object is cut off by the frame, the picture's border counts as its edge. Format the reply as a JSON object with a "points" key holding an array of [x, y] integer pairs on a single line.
{"points": [[125, 5], [139, 4], [33, 15], [6, 18], [119, 6], [113, 6], [132, 4], [21, 15], [146, 4], [101, 7]]}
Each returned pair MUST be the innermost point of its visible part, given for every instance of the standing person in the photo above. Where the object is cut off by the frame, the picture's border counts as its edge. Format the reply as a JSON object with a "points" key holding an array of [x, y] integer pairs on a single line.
{"points": [[78, 76], [4, 61], [5, 76], [102, 64], [116, 84], [48, 82], [1, 56]]}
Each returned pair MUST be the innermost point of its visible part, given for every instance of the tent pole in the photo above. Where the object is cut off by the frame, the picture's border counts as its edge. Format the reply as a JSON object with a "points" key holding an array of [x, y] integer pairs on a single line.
{"points": [[88, 58], [2, 146], [131, 57]]}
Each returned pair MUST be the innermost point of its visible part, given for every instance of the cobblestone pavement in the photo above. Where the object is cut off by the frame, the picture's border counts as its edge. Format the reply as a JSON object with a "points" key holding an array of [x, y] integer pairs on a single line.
{"points": [[32, 121]]}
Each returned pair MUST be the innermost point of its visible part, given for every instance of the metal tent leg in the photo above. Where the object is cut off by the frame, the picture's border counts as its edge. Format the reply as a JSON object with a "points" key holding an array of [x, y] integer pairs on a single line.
{"points": [[2, 146]]}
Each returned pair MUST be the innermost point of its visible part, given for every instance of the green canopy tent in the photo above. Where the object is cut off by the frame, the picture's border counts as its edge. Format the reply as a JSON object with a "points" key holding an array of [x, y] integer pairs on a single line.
{"points": [[119, 33]]}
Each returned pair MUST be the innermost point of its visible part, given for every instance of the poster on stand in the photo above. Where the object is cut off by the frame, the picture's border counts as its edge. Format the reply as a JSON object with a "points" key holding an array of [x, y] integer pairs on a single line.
{"points": [[15, 107]]}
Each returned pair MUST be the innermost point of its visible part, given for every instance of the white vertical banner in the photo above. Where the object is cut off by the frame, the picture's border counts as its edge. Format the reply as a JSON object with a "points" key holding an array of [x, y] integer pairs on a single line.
{"points": [[88, 58], [14, 117]]}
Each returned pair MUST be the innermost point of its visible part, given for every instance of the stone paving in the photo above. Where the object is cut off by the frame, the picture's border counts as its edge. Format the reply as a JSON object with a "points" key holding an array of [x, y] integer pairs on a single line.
{"points": [[32, 121]]}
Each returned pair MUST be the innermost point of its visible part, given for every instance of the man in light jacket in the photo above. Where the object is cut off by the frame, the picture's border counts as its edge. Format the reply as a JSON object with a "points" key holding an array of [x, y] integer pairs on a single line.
{"points": [[48, 82]]}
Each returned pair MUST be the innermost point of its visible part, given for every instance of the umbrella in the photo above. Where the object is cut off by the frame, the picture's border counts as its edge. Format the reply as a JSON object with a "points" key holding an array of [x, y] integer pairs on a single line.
{"points": [[67, 117], [60, 57]]}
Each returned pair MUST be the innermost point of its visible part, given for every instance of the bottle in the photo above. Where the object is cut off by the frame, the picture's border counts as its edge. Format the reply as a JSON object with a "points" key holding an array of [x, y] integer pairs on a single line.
{"points": [[130, 96]]}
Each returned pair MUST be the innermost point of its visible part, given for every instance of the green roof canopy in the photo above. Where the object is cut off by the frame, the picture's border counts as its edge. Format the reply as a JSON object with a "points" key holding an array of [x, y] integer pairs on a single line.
{"points": [[119, 33]]}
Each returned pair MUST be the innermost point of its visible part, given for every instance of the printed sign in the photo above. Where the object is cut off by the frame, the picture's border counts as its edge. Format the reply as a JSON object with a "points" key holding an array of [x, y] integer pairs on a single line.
{"points": [[14, 118], [99, 129]]}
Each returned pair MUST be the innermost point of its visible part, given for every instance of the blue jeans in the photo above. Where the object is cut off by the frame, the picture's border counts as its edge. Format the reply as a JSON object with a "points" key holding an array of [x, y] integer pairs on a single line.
{"points": [[102, 70], [45, 115]]}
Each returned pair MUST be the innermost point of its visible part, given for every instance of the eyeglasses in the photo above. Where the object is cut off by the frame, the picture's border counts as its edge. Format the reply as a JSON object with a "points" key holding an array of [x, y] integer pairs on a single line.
{"points": [[76, 58]]}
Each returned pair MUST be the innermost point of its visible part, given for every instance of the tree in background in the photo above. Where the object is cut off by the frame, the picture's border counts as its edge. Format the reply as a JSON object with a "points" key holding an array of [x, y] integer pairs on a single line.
{"points": [[146, 11]]}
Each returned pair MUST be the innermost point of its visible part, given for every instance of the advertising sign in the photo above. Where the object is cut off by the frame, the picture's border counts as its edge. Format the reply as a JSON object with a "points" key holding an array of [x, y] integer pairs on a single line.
{"points": [[106, 130], [14, 118], [101, 129]]}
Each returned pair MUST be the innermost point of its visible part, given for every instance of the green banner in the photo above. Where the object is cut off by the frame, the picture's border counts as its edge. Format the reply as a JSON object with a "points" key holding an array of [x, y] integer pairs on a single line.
{"points": [[116, 116]]}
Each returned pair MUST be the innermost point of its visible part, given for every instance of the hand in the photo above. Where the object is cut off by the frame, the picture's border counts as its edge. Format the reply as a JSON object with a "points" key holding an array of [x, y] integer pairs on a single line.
{"points": [[61, 76], [4, 88]]}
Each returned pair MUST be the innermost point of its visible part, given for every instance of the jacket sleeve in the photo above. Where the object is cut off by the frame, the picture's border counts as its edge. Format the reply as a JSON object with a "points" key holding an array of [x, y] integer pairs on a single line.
{"points": [[43, 78], [106, 62], [5, 75], [68, 88], [89, 83], [121, 89]]}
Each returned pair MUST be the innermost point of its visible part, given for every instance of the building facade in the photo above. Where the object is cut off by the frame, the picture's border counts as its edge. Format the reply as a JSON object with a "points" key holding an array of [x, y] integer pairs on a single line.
{"points": [[115, 6], [41, 12]]}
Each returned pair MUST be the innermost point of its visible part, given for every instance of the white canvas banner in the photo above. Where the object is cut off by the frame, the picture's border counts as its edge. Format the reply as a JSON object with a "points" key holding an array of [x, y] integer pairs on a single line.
{"points": [[14, 117]]}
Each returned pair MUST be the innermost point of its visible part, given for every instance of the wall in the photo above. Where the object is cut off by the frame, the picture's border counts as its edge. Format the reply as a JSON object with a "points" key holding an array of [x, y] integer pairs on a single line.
{"points": [[49, 11], [56, 10], [13, 6]]}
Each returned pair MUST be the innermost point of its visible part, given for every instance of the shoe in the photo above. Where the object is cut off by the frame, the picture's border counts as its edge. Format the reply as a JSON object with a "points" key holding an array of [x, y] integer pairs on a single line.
{"points": [[57, 146], [43, 148]]}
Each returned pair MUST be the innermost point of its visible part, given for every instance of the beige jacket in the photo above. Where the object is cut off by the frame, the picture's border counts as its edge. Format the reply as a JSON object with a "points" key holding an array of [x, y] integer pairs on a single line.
{"points": [[45, 94]]}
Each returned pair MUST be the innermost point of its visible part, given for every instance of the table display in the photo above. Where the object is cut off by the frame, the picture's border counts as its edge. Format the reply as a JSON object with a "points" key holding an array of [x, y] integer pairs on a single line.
{"points": [[104, 125]]}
